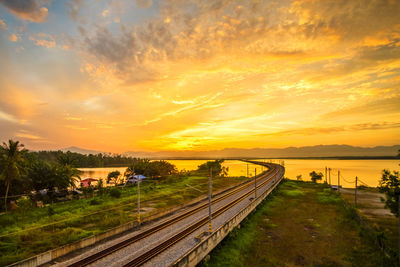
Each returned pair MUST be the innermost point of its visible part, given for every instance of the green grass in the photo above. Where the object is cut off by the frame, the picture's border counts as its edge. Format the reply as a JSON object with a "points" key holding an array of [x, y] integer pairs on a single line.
{"points": [[300, 224], [293, 193], [70, 221]]}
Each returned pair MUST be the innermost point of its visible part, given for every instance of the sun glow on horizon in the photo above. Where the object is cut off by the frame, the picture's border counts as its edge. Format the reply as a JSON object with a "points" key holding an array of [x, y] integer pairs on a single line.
{"points": [[200, 75]]}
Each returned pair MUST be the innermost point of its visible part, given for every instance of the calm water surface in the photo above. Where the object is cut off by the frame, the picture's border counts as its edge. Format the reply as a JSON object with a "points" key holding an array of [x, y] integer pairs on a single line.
{"points": [[368, 171], [236, 168]]}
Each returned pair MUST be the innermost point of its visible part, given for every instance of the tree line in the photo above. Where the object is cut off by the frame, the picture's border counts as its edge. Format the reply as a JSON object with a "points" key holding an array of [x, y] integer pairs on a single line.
{"points": [[84, 161], [24, 172]]}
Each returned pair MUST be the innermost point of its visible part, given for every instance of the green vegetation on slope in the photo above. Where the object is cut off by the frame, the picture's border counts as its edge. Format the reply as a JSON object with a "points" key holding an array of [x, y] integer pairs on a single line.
{"points": [[86, 217], [301, 223]]}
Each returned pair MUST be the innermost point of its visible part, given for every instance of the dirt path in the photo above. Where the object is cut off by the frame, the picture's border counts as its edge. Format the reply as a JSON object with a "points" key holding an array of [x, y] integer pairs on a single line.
{"points": [[373, 209], [369, 202]]}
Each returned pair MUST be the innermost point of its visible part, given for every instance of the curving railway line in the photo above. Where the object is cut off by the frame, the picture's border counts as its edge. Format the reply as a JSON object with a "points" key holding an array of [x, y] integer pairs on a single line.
{"points": [[220, 205]]}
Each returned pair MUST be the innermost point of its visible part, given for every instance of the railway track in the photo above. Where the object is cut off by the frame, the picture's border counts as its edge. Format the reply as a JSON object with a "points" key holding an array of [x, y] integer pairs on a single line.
{"points": [[268, 176], [179, 236]]}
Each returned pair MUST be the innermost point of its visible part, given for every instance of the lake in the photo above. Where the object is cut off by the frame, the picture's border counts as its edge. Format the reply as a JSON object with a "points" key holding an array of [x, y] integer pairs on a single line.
{"points": [[236, 168], [368, 171]]}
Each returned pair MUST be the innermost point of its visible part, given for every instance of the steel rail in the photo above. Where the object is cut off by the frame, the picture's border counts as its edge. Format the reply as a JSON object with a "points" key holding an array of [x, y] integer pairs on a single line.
{"points": [[103, 253], [187, 231]]}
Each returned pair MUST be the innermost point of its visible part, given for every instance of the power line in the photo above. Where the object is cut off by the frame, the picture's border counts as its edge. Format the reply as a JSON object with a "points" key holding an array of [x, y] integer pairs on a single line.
{"points": [[364, 183], [346, 180]]}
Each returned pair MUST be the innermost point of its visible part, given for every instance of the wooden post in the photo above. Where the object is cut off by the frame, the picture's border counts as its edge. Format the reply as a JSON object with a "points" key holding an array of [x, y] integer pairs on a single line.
{"points": [[329, 169], [138, 200], [355, 195], [338, 181], [326, 174], [255, 183], [209, 202]]}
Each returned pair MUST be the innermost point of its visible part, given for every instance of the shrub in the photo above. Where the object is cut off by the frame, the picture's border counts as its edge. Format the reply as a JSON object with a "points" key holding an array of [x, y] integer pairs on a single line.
{"points": [[315, 177], [114, 192], [328, 199], [24, 204], [94, 202]]}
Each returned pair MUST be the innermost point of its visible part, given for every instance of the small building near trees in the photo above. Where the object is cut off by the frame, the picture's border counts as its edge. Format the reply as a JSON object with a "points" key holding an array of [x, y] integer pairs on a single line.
{"points": [[87, 182]]}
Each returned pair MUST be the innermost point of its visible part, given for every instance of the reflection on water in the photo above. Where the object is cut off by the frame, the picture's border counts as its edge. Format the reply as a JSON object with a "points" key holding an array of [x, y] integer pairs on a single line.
{"points": [[368, 171], [99, 173], [236, 168]]}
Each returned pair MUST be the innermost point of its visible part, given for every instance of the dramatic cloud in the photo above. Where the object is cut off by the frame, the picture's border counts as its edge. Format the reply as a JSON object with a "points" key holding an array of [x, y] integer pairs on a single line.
{"points": [[26, 9], [206, 74], [203, 30]]}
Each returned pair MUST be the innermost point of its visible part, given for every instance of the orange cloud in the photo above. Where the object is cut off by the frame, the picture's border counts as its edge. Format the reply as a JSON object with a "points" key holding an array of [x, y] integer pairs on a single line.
{"points": [[3, 25], [214, 74], [13, 38], [26, 9], [43, 39]]}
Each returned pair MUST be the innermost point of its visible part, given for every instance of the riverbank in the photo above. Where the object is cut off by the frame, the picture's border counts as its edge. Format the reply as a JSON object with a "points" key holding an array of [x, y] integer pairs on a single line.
{"points": [[301, 223], [371, 207], [29, 231]]}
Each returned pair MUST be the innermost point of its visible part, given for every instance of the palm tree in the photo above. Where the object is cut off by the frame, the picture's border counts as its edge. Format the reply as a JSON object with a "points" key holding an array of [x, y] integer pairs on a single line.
{"points": [[11, 158]]}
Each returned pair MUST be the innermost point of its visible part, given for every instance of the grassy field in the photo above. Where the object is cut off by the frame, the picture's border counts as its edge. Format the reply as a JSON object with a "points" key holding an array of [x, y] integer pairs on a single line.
{"points": [[30, 231], [373, 210], [301, 224]]}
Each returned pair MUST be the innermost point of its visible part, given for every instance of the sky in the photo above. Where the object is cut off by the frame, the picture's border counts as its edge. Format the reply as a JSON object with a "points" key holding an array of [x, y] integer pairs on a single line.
{"points": [[149, 75]]}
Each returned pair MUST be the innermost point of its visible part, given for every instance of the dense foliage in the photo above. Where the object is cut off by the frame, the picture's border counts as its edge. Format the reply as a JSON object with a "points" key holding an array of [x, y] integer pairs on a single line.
{"points": [[81, 160], [113, 177], [214, 166], [157, 168], [390, 185], [45, 175], [11, 163], [315, 177]]}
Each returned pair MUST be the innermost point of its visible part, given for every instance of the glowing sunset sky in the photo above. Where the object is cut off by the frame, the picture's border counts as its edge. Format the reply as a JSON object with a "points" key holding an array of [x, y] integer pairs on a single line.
{"points": [[199, 75]]}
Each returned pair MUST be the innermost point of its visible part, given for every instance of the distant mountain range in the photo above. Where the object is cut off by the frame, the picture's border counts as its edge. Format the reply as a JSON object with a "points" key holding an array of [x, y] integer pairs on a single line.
{"points": [[81, 150], [289, 152]]}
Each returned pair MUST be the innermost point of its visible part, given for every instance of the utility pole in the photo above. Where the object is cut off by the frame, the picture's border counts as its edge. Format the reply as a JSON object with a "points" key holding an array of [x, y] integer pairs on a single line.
{"points": [[247, 170], [338, 181], [138, 200], [398, 206], [209, 202], [329, 176], [255, 183], [355, 195], [326, 172]]}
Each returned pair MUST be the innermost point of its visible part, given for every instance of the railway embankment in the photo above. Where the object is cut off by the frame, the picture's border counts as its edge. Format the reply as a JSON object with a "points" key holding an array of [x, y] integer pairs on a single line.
{"points": [[304, 224]]}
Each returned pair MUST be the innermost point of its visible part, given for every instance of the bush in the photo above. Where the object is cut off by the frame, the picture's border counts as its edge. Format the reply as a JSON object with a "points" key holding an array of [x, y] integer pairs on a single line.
{"points": [[24, 204], [114, 192], [94, 202], [328, 199], [315, 177]]}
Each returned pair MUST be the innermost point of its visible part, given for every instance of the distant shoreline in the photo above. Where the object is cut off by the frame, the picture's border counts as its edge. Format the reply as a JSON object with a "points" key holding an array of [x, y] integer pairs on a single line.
{"points": [[266, 158], [321, 158]]}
